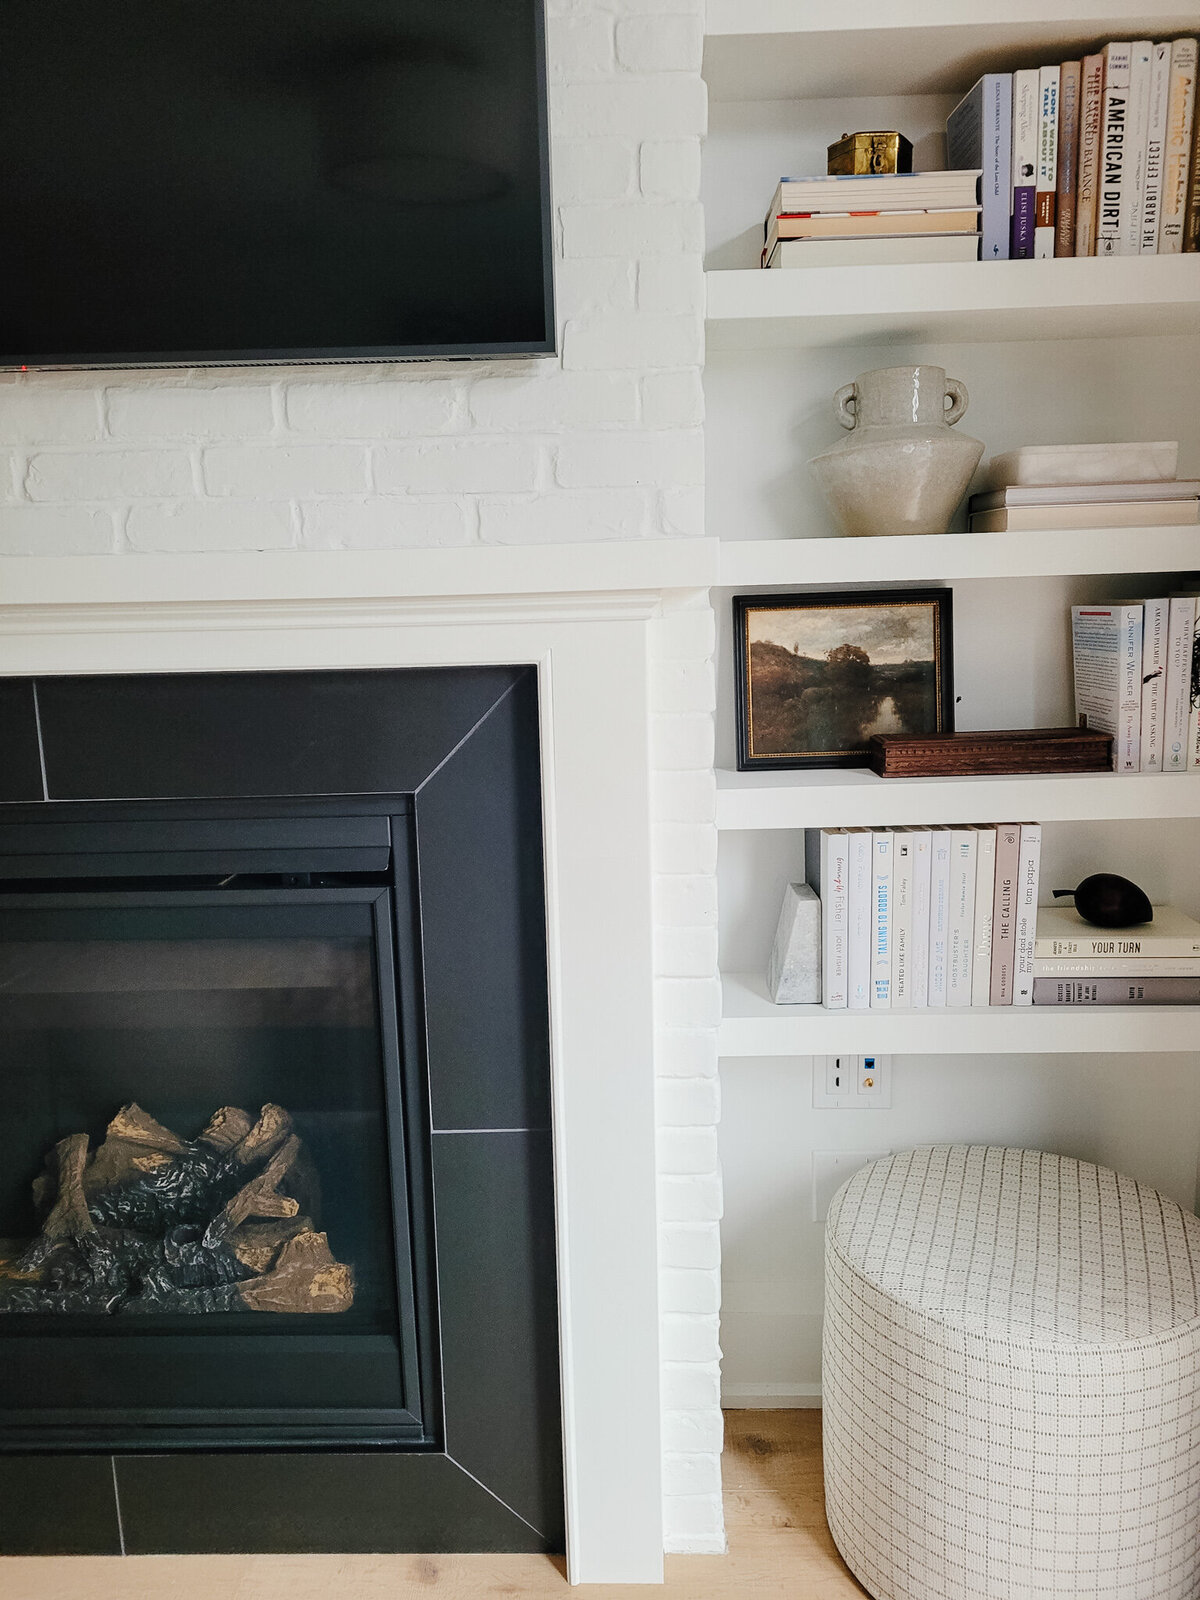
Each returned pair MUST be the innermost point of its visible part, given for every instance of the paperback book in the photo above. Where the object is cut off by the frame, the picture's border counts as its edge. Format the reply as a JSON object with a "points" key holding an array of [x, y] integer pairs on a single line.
{"points": [[1061, 931]]}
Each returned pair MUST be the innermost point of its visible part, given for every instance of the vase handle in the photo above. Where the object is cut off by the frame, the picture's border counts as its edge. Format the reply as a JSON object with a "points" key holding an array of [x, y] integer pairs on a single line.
{"points": [[845, 405], [956, 393]]}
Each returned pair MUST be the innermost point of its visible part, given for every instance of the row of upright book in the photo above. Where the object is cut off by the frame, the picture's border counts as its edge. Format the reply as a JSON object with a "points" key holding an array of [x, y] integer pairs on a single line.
{"points": [[1099, 156], [1137, 676], [926, 917]]}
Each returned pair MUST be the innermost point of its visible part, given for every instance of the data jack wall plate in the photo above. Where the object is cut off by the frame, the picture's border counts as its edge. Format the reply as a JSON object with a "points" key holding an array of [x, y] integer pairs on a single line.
{"points": [[852, 1083]]}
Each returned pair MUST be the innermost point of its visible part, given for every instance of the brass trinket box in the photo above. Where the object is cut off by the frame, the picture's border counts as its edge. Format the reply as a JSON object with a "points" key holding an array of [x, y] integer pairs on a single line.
{"points": [[870, 153]]}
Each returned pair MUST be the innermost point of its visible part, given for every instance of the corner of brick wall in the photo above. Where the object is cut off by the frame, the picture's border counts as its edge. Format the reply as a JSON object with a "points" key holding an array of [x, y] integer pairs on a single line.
{"points": [[687, 1091]]}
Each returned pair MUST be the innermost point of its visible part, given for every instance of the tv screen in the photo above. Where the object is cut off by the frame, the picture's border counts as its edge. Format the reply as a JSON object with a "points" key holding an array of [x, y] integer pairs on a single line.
{"points": [[209, 181]]}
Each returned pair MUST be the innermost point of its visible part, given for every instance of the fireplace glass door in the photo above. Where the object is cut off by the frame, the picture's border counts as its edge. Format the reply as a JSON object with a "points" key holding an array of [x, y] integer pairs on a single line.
{"points": [[205, 1229]]}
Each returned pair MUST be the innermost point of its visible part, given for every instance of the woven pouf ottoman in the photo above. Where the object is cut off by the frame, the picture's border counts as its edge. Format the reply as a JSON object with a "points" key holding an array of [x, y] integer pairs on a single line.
{"points": [[1012, 1380]]}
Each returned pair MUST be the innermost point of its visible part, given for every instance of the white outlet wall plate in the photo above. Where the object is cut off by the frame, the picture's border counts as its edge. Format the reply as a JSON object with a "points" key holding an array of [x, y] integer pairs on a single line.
{"points": [[852, 1083]]}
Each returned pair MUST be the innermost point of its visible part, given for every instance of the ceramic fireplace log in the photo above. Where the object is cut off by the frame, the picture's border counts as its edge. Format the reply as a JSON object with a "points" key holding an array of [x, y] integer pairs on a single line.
{"points": [[154, 1223]]}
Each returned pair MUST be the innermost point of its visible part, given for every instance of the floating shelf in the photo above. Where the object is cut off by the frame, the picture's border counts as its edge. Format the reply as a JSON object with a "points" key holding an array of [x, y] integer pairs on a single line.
{"points": [[857, 799], [912, 558], [788, 50], [753, 1026], [959, 300]]}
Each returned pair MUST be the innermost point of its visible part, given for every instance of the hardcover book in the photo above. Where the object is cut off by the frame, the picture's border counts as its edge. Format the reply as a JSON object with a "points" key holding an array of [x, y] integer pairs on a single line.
{"points": [[1004, 915], [1115, 137], [985, 894], [1047, 169], [1177, 706], [1116, 991], [939, 914], [1133, 190], [922, 854], [979, 135], [1069, 95], [1155, 627], [826, 868], [881, 932], [1177, 152], [1061, 931], [1156, 139], [859, 919], [1026, 123], [961, 932], [1091, 114], [1028, 875], [1107, 647]]}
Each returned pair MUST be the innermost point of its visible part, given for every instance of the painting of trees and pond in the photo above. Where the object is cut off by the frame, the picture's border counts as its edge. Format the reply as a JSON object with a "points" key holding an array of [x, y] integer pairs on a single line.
{"points": [[818, 675]]}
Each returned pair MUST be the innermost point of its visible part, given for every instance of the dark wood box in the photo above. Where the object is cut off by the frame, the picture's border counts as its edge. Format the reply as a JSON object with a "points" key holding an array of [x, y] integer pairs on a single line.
{"points": [[960, 755]]}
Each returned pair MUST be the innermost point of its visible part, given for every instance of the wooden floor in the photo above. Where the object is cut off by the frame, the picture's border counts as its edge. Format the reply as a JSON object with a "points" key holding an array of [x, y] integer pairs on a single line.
{"points": [[779, 1546]]}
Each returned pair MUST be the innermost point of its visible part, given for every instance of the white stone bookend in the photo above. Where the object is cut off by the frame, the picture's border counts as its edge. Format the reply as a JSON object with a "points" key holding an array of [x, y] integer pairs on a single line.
{"points": [[794, 975]]}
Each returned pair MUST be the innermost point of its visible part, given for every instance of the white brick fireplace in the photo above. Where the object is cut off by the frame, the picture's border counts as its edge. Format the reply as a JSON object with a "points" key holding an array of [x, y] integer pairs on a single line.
{"points": [[547, 511]]}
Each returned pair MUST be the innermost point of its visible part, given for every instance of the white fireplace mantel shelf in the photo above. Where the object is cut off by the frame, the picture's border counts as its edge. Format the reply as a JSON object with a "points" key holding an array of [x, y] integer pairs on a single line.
{"points": [[306, 578]]}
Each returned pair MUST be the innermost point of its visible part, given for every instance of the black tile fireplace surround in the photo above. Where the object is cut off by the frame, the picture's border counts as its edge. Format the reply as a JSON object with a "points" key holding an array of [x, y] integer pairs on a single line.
{"points": [[244, 889]]}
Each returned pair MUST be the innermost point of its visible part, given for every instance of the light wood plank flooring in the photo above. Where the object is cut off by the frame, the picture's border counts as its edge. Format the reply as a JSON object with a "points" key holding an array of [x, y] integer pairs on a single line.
{"points": [[779, 1547]]}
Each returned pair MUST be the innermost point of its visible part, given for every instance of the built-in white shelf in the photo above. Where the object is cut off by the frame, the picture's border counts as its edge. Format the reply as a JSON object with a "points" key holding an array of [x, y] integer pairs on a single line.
{"points": [[807, 49], [857, 798], [974, 302], [753, 1026], [910, 558]]}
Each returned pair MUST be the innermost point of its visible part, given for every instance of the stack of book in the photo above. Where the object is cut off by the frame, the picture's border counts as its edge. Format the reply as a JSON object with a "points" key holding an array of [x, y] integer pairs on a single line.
{"points": [[1174, 503], [916, 917], [1099, 156], [859, 219], [1076, 964], [1137, 676]]}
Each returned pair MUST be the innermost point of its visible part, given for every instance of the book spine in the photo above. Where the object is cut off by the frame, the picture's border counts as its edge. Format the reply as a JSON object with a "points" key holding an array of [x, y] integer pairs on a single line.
{"points": [[1181, 628], [902, 924], [1118, 945], [1070, 83], [1025, 124], [832, 883], [1028, 875], [1181, 109], [985, 894], [1129, 732], [1116, 992], [1155, 625], [1004, 924], [1116, 967], [963, 847], [939, 914], [1194, 696], [996, 183], [1134, 190], [881, 931], [1091, 113], [922, 848], [1114, 148], [1096, 649], [858, 910], [1156, 141], [1046, 202], [1191, 225]]}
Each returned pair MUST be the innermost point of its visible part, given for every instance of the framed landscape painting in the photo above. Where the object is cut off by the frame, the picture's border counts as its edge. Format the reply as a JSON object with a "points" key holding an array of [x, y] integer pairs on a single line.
{"points": [[818, 674]]}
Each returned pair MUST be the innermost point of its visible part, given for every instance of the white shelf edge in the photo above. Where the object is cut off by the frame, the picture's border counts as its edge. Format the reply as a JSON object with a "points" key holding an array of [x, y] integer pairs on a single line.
{"points": [[959, 301], [752, 1026], [956, 556], [857, 798]]}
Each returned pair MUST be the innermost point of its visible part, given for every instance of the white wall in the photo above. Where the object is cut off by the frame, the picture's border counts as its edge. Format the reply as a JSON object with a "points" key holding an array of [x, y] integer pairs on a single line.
{"points": [[603, 442]]}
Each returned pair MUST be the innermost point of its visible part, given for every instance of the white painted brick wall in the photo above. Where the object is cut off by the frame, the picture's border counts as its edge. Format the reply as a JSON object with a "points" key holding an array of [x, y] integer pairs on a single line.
{"points": [[687, 1009], [604, 442]]}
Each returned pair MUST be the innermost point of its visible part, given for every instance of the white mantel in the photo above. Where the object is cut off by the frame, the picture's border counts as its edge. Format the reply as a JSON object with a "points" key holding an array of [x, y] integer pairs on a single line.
{"points": [[588, 617]]}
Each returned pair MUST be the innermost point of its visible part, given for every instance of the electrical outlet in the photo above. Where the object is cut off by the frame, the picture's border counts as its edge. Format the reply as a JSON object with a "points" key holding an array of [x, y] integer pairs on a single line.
{"points": [[831, 1169], [852, 1083]]}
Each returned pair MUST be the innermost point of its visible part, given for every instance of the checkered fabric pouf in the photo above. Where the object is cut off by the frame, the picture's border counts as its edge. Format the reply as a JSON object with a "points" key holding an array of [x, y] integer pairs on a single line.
{"points": [[1012, 1380]]}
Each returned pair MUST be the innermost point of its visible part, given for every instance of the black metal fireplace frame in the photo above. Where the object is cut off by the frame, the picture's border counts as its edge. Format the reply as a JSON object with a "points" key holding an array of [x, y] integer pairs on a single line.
{"points": [[462, 746], [162, 855]]}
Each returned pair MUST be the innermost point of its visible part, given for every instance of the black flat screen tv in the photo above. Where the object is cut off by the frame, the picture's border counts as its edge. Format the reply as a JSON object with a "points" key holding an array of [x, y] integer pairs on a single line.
{"points": [[190, 182]]}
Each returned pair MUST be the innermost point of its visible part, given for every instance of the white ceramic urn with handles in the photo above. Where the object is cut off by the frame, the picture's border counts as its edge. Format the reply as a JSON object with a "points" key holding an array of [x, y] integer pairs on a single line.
{"points": [[903, 469]]}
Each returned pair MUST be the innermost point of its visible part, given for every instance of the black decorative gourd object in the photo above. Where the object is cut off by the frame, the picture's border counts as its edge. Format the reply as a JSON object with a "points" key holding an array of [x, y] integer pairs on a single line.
{"points": [[1108, 901]]}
